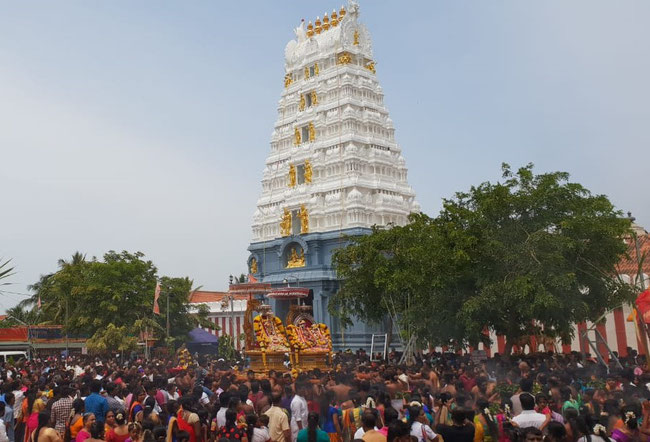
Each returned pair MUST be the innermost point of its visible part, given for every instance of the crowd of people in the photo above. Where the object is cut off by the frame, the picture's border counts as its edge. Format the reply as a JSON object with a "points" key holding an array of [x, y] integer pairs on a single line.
{"points": [[441, 397]]}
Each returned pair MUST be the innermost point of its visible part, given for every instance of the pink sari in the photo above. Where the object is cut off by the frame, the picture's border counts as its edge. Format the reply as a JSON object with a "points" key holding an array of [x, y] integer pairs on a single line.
{"points": [[32, 424]]}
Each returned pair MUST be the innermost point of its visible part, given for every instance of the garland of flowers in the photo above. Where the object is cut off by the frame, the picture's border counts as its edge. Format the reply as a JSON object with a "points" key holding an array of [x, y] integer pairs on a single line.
{"points": [[262, 336], [294, 340], [324, 337]]}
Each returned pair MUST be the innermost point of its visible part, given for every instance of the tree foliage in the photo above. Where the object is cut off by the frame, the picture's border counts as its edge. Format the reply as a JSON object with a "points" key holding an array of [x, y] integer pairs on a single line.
{"points": [[112, 338], [88, 296], [19, 315], [531, 252], [5, 271]]}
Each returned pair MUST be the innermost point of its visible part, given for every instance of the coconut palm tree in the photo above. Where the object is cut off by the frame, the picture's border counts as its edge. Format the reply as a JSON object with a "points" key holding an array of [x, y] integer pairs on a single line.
{"points": [[5, 271], [19, 315]]}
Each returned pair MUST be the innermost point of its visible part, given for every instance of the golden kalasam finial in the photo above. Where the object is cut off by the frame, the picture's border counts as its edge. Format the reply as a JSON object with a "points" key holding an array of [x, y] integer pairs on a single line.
{"points": [[318, 27], [335, 19], [315, 68], [326, 22], [308, 172], [287, 80], [314, 98], [312, 132], [296, 137], [342, 13], [301, 106], [356, 37], [292, 175], [310, 30]]}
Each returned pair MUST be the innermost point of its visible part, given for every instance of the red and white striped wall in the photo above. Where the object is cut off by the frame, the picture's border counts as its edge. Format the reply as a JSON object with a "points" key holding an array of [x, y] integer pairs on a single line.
{"points": [[221, 316], [615, 329]]}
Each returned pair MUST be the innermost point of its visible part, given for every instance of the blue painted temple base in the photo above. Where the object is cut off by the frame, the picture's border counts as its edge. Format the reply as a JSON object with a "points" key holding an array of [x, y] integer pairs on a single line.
{"points": [[317, 274]]}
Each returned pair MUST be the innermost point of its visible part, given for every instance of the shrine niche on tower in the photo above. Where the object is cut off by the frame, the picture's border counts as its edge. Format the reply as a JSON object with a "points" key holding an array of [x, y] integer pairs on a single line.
{"points": [[334, 169]]}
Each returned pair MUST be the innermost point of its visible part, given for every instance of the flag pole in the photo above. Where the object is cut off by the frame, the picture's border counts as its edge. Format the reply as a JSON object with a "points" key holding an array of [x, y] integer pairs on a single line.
{"points": [[167, 314]]}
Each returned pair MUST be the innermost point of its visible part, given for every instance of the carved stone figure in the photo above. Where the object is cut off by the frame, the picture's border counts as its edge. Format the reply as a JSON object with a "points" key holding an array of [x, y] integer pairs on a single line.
{"points": [[292, 175], [304, 219], [312, 132], [296, 137], [285, 224], [344, 58], [308, 171], [296, 260]]}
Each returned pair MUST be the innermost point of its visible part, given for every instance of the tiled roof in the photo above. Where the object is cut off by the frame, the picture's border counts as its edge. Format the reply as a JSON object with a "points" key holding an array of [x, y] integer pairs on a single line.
{"points": [[202, 296], [630, 265]]}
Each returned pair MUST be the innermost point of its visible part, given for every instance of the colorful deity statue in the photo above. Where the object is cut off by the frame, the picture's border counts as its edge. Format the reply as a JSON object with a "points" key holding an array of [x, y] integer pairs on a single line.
{"points": [[270, 333]]}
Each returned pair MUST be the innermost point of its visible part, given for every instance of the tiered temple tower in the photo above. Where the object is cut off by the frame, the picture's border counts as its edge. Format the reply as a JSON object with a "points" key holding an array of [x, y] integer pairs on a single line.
{"points": [[334, 169]]}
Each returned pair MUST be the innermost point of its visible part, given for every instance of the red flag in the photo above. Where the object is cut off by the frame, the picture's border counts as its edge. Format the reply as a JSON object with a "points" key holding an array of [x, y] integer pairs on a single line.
{"points": [[252, 279], [156, 295], [643, 305]]}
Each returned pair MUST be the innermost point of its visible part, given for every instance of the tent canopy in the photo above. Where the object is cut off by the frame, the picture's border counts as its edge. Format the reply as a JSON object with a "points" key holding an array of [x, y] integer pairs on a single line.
{"points": [[200, 336]]}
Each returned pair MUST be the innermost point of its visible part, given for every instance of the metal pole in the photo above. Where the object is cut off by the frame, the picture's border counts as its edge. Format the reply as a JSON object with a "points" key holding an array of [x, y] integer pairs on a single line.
{"points": [[67, 344], [232, 322], [232, 313], [167, 314]]}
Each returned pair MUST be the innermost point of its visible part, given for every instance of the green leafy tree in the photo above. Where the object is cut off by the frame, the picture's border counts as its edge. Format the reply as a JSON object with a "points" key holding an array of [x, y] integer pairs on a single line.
{"points": [[19, 315], [531, 252], [183, 317], [112, 338], [87, 296]]}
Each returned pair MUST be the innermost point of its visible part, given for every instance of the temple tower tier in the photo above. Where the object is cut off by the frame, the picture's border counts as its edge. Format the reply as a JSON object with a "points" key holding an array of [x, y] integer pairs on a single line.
{"points": [[334, 169]]}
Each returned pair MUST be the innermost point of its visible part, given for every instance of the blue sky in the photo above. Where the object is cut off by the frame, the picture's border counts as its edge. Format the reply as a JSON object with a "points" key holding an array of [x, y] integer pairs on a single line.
{"points": [[145, 125]]}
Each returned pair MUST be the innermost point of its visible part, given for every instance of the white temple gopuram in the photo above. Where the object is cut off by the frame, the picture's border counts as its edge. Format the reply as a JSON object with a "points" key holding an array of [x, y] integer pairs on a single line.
{"points": [[334, 169]]}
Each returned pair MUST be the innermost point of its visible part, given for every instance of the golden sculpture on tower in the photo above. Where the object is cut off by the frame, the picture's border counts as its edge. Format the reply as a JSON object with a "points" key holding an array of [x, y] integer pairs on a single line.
{"points": [[308, 171], [253, 268], [312, 132], [371, 67], [314, 98], [316, 69], [304, 219], [296, 260], [292, 175], [344, 58], [296, 137], [356, 37], [301, 106], [285, 224], [306, 73], [287, 80]]}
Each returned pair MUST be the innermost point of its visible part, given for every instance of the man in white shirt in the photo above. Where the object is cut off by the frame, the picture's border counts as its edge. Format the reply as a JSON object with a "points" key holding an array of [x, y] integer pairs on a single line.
{"points": [[299, 412], [224, 400], [529, 417]]}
